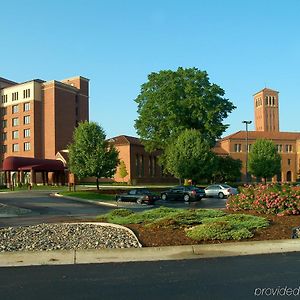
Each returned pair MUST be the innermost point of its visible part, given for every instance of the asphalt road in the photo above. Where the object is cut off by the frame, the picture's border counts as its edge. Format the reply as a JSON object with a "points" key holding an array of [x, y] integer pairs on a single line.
{"points": [[203, 203], [46, 209], [245, 277]]}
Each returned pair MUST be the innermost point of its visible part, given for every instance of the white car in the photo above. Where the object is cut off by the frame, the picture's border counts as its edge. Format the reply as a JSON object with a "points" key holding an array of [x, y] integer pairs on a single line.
{"points": [[220, 190]]}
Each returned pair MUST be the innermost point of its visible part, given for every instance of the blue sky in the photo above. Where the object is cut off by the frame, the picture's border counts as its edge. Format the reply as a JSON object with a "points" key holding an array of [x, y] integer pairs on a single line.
{"points": [[243, 45]]}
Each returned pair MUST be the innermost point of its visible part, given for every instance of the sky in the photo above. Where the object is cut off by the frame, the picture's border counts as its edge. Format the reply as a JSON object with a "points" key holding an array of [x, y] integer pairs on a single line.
{"points": [[244, 46]]}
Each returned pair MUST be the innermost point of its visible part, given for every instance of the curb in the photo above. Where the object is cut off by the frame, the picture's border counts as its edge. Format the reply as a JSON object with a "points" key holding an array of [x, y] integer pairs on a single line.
{"points": [[96, 202], [101, 203], [61, 257]]}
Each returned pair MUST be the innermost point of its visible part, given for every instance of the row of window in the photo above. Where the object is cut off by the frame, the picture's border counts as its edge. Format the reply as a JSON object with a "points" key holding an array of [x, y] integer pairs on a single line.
{"points": [[15, 121], [15, 108], [140, 165], [287, 148], [15, 134], [269, 101], [15, 96], [16, 147]]}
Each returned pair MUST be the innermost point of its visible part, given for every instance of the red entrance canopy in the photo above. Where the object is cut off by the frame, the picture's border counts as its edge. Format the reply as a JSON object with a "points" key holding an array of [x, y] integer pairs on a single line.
{"points": [[14, 163]]}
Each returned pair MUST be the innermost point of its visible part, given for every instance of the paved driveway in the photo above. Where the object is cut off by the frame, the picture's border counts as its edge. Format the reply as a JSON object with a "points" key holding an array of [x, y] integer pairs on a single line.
{"points": [[203, 203], [45, 208]]}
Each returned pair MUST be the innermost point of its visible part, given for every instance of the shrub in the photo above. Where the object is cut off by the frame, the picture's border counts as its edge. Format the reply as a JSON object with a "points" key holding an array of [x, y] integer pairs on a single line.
{"points": [[269, 199], [218, 231]]}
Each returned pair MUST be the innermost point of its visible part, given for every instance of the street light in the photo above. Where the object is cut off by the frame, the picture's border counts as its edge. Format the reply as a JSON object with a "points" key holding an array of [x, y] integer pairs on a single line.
{"points": [[247, 123]]}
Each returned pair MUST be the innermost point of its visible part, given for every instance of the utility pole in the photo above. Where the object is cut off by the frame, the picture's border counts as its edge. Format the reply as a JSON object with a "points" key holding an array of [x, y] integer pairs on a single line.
{"points": [[247, 123]]}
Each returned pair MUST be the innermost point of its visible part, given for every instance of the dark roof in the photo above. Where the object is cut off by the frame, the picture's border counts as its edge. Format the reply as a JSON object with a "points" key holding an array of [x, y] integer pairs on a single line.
{"points": [[125, 139], [263, 135], [7, 81], [13, 163]]}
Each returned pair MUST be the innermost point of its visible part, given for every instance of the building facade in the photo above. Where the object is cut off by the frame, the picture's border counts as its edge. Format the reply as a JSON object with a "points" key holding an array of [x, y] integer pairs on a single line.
{"points": [[266, 112], [37, 118], [142, 167]]}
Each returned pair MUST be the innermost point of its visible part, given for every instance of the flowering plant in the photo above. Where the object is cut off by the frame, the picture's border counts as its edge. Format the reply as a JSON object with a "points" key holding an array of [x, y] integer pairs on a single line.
{"points": [[269, 199]]}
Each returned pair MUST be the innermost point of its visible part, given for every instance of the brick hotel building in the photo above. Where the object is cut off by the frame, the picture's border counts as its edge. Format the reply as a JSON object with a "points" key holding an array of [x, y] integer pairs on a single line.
{"points": [[37, 118]]}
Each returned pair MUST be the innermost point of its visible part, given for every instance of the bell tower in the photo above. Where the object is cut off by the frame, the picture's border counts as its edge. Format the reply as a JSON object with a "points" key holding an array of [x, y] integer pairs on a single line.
{"points": [[266, 110]]}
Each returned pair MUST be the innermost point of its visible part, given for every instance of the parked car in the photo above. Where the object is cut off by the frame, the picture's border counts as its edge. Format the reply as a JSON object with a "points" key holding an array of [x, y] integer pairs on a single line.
{"points": [[185, 193], [138, 195], [220, 190]]}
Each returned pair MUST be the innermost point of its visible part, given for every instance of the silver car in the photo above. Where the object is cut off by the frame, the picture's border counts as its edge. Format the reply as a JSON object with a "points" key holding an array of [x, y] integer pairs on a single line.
{"points": [[220, 190]]}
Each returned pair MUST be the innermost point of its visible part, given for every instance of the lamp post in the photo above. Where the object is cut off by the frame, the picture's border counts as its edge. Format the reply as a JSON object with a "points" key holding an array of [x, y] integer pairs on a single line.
{"points": [[247, 123]]}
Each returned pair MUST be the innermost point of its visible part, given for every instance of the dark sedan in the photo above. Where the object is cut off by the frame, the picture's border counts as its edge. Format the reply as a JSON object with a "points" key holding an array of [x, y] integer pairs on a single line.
{"points": [[139, 196], [185, 193]]}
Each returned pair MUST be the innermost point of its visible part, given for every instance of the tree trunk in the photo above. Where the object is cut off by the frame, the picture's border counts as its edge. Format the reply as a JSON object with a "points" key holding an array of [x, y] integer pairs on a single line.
{"points": [[97, 181]]}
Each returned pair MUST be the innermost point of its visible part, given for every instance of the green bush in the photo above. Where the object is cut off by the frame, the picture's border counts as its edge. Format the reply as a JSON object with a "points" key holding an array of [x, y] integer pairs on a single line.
{"points": [[209, 224], [218, 231], [240, 221]]}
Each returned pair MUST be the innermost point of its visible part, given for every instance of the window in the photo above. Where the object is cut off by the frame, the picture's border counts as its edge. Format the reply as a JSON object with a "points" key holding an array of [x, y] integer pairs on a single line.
{"points": [[4, 98], [15, 147], [279, 148], [142, 165], [15, 96], [26, 93], [289, 161], [26, 133], [15, 134], [26, 146], [288, 148], [4, 136], [15, 109], [4, 123], [3, 111], [26, 106], [15, 121], [237, 148], [249, 147], [137, 165], [26, 119], [4, 148]]}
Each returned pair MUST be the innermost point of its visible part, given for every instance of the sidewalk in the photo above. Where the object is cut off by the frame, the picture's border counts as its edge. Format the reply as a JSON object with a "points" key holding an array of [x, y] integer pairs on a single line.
{"points": [[147, 254]]}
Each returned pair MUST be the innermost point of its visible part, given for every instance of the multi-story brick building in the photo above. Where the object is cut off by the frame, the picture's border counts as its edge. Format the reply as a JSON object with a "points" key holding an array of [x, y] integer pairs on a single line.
{"points": [[266, 112], [37, 117]]}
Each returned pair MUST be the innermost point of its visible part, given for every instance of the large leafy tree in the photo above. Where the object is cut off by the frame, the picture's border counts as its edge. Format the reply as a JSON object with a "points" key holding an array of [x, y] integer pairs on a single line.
{"points": [[171, 101], [90, 154], [189, 156], [226, 169], [264, 160]]}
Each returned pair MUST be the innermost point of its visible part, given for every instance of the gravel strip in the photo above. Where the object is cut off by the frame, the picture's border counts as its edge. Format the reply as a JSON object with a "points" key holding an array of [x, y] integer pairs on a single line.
{"points": [[47, 237]]}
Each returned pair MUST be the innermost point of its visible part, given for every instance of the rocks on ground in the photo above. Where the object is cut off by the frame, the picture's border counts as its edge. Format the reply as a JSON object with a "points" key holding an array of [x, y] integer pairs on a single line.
{"points": [[46, 237]]}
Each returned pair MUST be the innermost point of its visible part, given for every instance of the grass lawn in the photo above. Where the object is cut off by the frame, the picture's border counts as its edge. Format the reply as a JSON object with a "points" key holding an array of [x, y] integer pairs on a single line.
{"points": [[89, 195]]}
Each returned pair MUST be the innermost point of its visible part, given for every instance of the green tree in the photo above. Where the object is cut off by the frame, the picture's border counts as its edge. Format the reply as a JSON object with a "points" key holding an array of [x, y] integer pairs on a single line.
{"points": [[189, 156], [122, 170], [90, 154], [171, 101], [226, 169], [264, 160]]}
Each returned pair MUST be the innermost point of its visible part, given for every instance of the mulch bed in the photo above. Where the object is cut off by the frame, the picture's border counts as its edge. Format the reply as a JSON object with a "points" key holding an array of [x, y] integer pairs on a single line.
{"points": [[280, 228]]}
